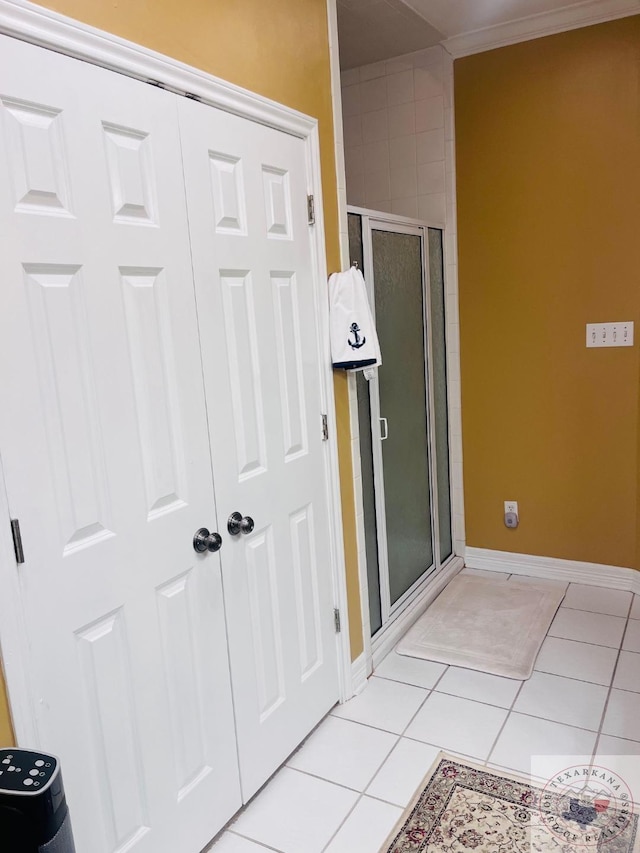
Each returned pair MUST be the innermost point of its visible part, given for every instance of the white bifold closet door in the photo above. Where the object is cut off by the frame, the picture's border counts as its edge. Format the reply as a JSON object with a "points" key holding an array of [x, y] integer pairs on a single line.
{"points": [[253, 268], [108, 428], [106, 456]]}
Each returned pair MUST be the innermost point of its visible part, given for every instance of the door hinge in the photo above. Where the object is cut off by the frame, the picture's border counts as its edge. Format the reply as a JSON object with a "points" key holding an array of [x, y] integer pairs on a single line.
{"points": [[336, 620], [311, 210], [325, 428], [17, 540]]}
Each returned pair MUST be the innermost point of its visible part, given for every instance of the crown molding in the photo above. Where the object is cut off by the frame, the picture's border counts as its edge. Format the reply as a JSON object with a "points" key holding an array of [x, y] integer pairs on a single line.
{"points": [[32, 23], [545, 24]]}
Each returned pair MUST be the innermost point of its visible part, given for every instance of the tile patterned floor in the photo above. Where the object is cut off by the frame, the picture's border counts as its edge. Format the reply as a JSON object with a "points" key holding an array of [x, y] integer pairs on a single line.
{"points": [[346, 786]]}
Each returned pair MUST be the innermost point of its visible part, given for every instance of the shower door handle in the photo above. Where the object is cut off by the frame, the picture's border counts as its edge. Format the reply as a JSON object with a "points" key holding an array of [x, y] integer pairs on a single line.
{"points": [[383, 422]]}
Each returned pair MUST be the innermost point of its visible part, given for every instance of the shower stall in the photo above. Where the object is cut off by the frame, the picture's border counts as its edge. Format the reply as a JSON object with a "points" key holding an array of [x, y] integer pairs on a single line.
{"points": [[402, 412]]}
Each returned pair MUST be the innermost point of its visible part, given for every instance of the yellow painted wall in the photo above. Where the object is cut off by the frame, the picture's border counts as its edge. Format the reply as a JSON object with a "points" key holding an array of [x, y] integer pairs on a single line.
{"points": [[6, 734], [548, 159], [279, 49]]}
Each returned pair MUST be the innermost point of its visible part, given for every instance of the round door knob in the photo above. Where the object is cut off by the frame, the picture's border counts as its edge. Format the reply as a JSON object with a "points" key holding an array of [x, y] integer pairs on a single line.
{"points": [[205, 541], [237, 524]]}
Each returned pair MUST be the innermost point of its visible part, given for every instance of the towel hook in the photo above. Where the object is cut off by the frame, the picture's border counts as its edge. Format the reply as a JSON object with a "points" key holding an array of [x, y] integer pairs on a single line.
{"points": [[355, 264]]}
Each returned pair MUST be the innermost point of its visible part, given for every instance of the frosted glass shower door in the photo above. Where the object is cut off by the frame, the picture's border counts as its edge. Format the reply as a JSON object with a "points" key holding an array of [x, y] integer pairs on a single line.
{"points": [[402, 398], [403, 413]]}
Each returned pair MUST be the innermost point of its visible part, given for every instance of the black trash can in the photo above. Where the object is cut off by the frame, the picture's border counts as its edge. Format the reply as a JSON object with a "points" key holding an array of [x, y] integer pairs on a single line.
{"points": [[34, 816]]}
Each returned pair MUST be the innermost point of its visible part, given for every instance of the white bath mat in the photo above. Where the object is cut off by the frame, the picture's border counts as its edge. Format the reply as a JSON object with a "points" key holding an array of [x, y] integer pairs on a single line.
{"points": [[494, 626]]}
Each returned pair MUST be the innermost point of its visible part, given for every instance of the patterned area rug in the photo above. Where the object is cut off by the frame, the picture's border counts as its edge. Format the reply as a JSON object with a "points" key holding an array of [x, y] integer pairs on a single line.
{"points": [[464, 808]]}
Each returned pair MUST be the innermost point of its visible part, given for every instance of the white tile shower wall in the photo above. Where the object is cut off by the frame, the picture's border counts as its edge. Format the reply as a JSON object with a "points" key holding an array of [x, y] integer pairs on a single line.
{"points": [[399, 156], [394, 134]]}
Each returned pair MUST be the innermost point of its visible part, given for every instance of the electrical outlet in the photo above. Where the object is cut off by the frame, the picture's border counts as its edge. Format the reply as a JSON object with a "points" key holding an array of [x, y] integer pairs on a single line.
{"points": [[610, 334], [511, 518]]}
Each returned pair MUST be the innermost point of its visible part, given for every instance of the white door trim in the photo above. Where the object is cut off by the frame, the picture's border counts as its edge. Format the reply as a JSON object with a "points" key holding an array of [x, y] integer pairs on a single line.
{"points": [[28, 22], [13, 636], [336, 546], [45, 28]]}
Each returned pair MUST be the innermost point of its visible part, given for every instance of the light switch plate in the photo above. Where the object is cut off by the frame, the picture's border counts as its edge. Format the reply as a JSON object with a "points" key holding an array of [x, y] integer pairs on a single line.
{"points": [[610, 334]]}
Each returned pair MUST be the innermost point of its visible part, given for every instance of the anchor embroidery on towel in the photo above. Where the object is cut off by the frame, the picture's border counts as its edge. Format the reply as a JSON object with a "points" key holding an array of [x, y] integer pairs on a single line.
{"points": [[355, 328]]}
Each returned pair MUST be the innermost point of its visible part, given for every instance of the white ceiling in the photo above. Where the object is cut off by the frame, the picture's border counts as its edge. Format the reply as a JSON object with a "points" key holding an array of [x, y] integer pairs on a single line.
{"points": [[453, 17], [372, 30]]}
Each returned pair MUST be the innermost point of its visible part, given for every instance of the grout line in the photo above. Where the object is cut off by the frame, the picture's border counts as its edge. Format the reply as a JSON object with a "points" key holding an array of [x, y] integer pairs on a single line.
{"points": [[359, 800], [509, 712], [324, 779], [625, 690], [380, 766], [374, 674], [387, 802], [509, 707], [355, 723], [564, 606], [581, 642], [557, 722], [421, 706], [479, 701], [454, 752], [442, 675], [611, 688], [398, 739], [370, 726], [579, 680], [360, 793], [526, 774], [626, 740], [376, 773], [347, 788], [418, 709], [259, 843], [584, 642], [342, 822]]}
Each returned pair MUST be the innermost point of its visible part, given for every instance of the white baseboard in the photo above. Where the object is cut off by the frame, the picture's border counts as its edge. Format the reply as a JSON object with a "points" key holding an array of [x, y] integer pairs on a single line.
{"points": [[383, 643], [551, 568], [359, 674]]}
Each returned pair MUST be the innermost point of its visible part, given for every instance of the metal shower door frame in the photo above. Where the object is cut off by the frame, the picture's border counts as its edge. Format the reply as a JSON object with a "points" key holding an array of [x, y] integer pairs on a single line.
{"points": [[372, 222]]}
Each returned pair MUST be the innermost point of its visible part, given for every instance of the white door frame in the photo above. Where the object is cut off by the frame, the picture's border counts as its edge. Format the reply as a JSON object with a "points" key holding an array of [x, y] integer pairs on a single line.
{"points": [[13, 635], [28, 22]]}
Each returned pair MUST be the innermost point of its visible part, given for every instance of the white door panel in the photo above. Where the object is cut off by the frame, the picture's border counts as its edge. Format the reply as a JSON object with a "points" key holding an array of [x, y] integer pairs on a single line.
{"points": [[106, 455], [246, 195]]}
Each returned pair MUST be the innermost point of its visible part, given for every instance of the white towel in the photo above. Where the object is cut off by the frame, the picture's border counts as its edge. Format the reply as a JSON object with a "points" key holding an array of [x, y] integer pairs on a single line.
{"points": [[354, 340]]}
